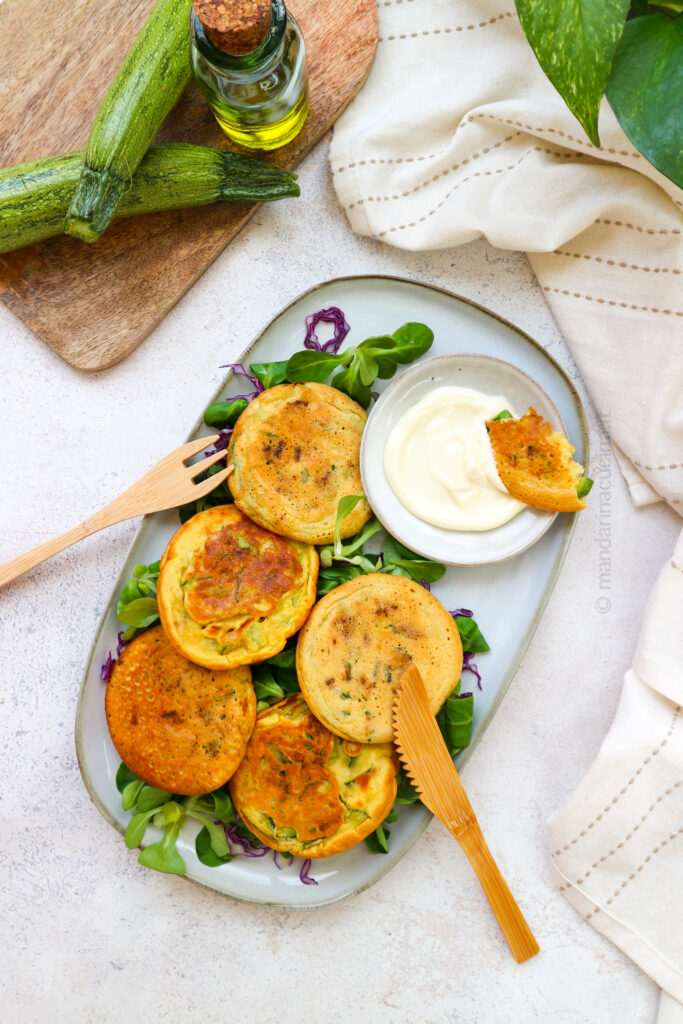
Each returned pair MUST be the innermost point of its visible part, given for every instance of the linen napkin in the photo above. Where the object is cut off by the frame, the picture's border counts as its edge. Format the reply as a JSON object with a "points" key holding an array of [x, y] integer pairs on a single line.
{"points": [[617, 844], [458, 134]]}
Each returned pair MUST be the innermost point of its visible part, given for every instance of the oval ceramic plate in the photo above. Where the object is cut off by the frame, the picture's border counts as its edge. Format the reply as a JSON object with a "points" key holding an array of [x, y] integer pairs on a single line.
{"points": [[454, 547], [507, 599]]}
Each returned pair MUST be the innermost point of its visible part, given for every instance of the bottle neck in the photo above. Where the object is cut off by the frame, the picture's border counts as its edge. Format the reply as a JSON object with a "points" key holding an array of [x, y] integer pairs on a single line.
{"points": [[267, 53]]}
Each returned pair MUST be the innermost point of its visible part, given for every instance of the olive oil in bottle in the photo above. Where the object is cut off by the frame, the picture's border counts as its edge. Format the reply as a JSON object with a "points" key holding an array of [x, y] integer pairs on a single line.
{"points": [[249, 60]]}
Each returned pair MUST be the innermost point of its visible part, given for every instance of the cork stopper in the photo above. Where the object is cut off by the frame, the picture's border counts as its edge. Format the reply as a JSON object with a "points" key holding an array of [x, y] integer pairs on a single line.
{"points": [[235, 26]]}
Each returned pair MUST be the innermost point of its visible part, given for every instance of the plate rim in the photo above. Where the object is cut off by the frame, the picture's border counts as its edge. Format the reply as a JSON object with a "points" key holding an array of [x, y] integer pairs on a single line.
{"points": [[391, 860]]}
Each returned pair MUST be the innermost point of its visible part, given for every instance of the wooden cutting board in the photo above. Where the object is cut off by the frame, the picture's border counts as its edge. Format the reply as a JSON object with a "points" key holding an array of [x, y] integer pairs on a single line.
{"points": [[94, 304]]}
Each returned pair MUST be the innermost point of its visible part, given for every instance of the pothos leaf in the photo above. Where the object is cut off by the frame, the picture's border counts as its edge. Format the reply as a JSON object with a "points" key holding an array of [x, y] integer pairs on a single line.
{"points": [[645, 90], [575, 42]]}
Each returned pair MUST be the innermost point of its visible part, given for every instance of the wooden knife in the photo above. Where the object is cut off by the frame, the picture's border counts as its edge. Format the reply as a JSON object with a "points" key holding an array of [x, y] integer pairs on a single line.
{"points": [[425, 756]]}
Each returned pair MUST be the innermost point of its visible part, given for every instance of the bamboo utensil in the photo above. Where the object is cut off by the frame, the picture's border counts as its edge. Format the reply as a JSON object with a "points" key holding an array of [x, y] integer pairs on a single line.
{"points": [[167, 484], [424, 753]]}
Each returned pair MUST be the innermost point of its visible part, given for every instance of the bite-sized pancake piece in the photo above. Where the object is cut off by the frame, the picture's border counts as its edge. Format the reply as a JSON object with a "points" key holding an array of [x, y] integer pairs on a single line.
{"points": [[535, 463], [358, 640], [176, 725], [296, 453], [230, 592], [306, 792]]}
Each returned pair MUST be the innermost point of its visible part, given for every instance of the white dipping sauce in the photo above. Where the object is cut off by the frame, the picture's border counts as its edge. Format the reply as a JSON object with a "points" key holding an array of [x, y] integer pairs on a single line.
{"points": [[440, 463]]}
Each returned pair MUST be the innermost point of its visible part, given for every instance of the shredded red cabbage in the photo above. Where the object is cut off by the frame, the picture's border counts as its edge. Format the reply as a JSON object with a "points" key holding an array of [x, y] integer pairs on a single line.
{"points": [[247, 848], [244, 848], [223, 440], [469, 666], [105, 671], [426, 585], [331, 315], [467, 663], [304, 875], [240, 371]]}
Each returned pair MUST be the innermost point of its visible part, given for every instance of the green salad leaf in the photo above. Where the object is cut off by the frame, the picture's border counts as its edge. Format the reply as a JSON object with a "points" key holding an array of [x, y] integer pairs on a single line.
{"points": [[225, 414], [312, 367], [168, 812], [378, 841], [584, 487], [455, 721], [355, 370], [137, 606], [471, 636], [270, 374], [401, 561]]}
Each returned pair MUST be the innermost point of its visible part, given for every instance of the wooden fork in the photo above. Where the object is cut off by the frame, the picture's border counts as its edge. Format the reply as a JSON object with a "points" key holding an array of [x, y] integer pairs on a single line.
{"points": [[167, 484]]}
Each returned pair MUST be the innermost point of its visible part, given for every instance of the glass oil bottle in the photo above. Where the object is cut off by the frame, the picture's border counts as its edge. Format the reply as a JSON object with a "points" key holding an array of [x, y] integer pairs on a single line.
{"points": [[249, 60]]}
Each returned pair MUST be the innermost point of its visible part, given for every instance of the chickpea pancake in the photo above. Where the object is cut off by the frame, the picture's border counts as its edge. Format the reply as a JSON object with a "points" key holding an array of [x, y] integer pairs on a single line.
{"points": [[535, 463], [356, 643], [296, 453], [304, 791], [176, 725], [231, 593]]}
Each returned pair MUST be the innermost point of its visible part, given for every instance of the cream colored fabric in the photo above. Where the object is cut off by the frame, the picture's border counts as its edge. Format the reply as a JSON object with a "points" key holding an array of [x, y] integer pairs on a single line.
{"points": [[457, 134], [617, 844]]}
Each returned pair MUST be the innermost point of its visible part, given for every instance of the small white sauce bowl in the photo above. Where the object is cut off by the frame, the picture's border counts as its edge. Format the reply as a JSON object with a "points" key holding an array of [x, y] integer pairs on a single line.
{"points": [[453, 547]]}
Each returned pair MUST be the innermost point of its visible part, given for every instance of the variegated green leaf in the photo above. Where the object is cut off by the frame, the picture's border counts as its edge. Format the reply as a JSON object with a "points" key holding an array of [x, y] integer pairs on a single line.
{"points": [[575, 42], [645, 90]]}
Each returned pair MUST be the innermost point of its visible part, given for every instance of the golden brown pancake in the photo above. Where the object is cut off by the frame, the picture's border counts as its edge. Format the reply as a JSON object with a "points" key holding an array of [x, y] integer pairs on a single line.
{"points": [[230, 592], [296, 453], [358, 640], [306, 792], [535, 463], [177, 726]]}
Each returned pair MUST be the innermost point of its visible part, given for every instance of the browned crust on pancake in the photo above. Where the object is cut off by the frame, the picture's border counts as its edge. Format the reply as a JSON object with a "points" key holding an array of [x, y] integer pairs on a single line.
{"points": [[296, 452], [176, 725], [358, 640], [535, 463], [231, 593], [300, 791]]}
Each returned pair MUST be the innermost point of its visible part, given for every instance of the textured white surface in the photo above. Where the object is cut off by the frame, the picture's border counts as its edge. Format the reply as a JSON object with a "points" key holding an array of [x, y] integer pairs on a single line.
{"points": [[89, 936]]}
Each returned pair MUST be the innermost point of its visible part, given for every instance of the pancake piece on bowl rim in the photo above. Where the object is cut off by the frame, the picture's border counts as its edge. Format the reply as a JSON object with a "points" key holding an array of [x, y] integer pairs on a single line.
{"points": [[176, 725], [534, 462], [231, 593], [304, 791], [359, 639], [296, 453]]}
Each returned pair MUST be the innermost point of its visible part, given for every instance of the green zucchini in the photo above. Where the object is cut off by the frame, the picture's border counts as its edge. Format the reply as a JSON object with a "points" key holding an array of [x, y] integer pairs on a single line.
{"points": [[34, 197], [148, 85]]}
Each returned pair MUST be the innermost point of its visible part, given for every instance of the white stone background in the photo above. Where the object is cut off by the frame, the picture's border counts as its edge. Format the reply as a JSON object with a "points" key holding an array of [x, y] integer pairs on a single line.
{"points": [[88, 934]]}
